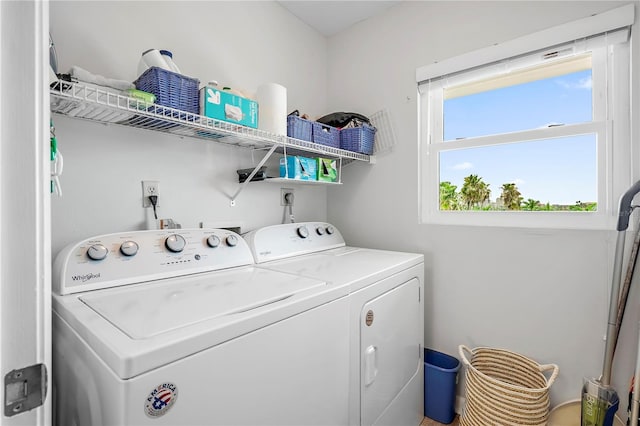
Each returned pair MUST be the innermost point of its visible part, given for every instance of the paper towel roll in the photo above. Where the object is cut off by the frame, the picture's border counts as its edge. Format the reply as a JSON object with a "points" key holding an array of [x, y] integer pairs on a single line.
{"points": [[272, 108]]}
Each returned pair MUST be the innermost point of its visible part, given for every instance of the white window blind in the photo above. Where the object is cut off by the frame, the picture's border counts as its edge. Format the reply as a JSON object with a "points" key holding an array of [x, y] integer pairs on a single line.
{"points": [[622, 17]]}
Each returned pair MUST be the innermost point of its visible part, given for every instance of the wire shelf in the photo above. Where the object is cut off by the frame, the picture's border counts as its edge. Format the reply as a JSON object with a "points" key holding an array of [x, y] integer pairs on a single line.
{"points": [[100, 104]]}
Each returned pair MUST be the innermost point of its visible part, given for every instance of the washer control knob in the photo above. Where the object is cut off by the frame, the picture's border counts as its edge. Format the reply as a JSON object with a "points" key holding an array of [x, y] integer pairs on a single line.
{"points": [[129, 248], [303, 232], [213, 241], [232, 240], [175, 243], [320, 230], [97, 252], [330, 230]]}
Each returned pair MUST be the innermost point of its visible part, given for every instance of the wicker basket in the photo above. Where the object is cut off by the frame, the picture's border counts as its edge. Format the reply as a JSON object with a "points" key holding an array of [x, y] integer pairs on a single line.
{"points": [[299, 128], [324, 134], [171, 89], [505, 388], [358, 139]]}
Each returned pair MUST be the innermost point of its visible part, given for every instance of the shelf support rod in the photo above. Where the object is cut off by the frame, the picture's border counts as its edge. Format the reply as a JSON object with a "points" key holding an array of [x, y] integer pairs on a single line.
{"points": [[252, 174]]}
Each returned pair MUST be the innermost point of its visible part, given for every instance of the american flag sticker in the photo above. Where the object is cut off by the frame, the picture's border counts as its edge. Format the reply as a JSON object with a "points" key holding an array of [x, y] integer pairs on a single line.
{"points": [[160, 400]]}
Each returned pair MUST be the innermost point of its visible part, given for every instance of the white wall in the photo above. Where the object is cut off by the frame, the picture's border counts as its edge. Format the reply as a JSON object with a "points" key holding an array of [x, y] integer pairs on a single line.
{"points": [[239, 44], [540, 292]]}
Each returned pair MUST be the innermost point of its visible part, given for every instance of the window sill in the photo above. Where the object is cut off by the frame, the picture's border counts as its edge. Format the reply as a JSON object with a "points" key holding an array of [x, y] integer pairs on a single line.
{"points": [[524, 219]]}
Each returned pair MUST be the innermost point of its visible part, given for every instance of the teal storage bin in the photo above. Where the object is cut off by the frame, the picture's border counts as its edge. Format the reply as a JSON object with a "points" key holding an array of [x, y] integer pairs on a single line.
{"points": [[440, 379]]}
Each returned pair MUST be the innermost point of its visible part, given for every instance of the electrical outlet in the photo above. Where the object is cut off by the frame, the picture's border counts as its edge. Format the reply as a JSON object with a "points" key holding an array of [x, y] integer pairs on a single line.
{"points": [[286, 197], [149, 187]]}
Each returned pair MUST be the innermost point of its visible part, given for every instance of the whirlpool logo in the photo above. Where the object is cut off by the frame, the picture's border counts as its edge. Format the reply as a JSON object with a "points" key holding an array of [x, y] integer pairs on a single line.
{"points": [[86, 277]]}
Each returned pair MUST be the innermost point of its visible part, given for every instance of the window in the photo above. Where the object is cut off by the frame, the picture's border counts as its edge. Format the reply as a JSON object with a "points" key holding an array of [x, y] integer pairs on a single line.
{"points": [[549, 94], [545, 159], [535, 140]]}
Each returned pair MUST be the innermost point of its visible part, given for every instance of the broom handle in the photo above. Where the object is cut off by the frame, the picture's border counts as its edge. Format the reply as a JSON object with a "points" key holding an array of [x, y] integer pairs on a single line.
{"points": [[624, 213], [613, 311], [624, 294]]}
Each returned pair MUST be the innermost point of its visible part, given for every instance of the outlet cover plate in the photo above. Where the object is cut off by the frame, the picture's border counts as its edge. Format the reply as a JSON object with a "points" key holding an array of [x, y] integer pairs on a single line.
{"points": [[283, 193], [150, 187]]}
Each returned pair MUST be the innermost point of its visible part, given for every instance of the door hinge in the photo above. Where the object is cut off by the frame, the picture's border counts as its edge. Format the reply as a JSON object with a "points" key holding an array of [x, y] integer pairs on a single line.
{"points": [[24, 389]]}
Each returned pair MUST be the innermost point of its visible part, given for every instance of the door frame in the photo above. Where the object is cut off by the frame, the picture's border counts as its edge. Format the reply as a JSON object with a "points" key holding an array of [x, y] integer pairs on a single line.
{"points": [[25, 226]]}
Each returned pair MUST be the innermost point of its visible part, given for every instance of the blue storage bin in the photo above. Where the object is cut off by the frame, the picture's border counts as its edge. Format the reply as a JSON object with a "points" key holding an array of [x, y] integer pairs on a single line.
{"points": [[171, 89], [324, 134], [358, 139], [299, 128], [440, 379]]}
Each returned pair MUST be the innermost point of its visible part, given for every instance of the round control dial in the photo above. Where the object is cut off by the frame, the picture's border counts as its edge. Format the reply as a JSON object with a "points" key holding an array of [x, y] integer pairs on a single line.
{"points": [[303, 232], [175, 243], [330, 230], [129, 248], [320, 230], [232, 240], [213, 241], [97, 252]]}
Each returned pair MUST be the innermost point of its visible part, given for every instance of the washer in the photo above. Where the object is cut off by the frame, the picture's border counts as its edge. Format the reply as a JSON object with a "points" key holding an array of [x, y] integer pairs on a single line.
{"points": [[164, 328], [386, 319]]}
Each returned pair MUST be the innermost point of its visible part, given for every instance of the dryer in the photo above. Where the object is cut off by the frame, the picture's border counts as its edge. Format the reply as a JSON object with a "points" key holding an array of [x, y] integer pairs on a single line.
{"points": [[386, 313], [165, 328]]}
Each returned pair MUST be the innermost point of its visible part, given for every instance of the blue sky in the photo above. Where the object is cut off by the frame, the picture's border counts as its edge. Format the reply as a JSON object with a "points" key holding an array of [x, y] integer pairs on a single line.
{"points": [[558, 171]]}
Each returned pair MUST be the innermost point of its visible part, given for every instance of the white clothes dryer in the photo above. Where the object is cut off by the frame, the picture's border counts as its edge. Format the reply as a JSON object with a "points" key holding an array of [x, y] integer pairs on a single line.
{"points": [[386, 319], [165, 328]]}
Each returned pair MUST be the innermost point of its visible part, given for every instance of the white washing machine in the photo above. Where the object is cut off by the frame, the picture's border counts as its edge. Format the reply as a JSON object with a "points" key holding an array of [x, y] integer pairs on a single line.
{"points": [[164, 328], [386, 319]]}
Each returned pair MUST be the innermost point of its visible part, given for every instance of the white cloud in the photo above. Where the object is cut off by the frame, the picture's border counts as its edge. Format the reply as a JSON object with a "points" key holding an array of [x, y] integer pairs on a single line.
{"points": [[463, 166], [583, 83]]}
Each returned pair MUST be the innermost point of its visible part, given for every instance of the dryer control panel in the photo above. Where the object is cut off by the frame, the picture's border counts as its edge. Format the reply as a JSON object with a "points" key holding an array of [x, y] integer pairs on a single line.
{"points": [[133, 257], [292, 239]]}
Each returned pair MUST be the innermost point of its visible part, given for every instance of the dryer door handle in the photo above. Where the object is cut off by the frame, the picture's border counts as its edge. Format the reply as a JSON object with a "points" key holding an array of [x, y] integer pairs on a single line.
{"points": [[370, 365]]}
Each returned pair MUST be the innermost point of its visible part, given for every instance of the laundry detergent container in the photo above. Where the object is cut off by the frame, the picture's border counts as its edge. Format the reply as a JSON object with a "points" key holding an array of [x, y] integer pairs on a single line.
{"points": [[440, 379]]}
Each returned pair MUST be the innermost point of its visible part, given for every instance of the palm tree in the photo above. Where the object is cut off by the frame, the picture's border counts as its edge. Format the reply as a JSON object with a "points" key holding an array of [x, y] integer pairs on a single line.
{"points": [[474, 191], [531, 204], [448, 196], [511, 196]]}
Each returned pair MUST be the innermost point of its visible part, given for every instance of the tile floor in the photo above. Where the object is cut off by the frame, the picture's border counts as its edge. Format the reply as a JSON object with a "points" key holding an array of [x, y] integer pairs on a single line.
{"points": [[428, 422]]}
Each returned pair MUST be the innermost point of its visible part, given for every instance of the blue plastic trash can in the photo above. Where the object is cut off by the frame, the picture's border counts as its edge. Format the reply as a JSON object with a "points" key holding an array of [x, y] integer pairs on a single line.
{"points": [[440, 379]]}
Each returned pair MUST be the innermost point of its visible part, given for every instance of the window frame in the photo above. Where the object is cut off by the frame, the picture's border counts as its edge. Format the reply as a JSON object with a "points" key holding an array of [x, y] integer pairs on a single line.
{"points": [[610, 122]]}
